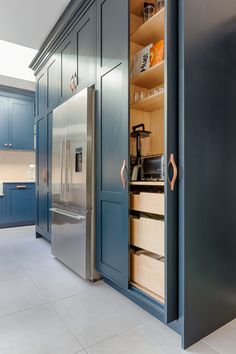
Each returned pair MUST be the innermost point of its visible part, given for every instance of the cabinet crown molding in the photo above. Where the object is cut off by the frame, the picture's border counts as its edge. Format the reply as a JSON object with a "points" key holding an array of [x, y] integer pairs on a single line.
{"points": [[73, 12]]}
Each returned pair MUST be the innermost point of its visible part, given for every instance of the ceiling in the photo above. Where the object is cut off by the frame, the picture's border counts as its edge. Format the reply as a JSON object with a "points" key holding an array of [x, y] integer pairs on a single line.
{"points": [[28, 22]]}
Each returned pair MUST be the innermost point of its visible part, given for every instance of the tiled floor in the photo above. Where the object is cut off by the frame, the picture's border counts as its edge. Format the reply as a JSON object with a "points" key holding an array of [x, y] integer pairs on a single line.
{"points": [[47, 309]]}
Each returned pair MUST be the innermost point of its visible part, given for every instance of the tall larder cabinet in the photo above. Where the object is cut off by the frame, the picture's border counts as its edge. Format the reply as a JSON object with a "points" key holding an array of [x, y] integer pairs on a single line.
{"points": [[160, 242]]}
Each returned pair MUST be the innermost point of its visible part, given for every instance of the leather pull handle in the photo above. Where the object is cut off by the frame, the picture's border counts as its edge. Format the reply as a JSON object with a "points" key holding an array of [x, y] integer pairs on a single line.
{"points": [[122, 175], [175, 172]]}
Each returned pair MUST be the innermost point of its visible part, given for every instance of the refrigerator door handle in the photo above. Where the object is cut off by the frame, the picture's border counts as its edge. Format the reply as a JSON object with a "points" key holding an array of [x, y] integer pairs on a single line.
{"points": [[67, 165], [62, 170], [66, 213]]}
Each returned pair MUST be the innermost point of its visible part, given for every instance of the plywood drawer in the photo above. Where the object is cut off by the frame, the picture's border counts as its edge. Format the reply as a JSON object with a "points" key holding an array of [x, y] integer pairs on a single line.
{"points": [[148, 272], [148, 234], [148, 202]]}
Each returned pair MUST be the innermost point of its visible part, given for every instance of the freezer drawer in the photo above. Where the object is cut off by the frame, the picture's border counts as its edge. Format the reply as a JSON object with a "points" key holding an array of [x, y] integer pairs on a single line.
{"points": [[71, 238]]}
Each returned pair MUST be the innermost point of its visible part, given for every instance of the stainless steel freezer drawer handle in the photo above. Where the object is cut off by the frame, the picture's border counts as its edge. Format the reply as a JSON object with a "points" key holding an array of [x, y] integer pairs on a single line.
{"points": [[71, 215]]}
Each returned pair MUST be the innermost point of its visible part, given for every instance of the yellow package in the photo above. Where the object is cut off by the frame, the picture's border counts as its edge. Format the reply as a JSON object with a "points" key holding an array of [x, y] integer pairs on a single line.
{"points": [[157, 53]]}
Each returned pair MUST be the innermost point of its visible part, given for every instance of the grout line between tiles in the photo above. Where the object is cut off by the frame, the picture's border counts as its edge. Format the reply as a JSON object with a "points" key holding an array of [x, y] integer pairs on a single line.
{"points": [[67, 326], [211, 346], [24, 309], [117, 334]]}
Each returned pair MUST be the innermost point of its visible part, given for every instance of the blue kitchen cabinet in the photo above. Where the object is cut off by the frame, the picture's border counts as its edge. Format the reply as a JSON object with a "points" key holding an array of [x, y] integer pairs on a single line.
{"points": [[21, 124], [3, 122], [16, 121], [18, 204]]}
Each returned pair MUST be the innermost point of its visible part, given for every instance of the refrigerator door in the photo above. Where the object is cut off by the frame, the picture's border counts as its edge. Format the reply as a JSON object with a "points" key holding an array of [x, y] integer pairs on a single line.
{"points": [[79, 150], [70, 241]]}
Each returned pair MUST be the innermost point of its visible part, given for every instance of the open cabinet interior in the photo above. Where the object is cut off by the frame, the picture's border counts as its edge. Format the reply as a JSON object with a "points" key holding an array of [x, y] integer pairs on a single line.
{"points": [[147, 62]]}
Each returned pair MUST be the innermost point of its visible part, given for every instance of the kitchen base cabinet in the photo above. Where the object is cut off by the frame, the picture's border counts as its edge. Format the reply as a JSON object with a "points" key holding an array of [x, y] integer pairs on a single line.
{"points": [[166, 242], [18, 204]]}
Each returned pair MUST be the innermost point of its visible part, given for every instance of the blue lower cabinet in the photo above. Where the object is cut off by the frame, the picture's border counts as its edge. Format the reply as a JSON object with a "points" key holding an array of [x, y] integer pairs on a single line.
{"points": [[17, 206]]}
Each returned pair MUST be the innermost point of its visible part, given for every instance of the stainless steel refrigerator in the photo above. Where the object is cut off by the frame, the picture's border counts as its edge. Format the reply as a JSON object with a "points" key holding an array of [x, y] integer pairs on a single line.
{"points": [[72, 184]]}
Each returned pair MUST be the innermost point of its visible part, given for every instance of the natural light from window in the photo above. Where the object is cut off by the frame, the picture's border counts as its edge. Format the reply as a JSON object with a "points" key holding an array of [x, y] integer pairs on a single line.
{"points": [[15, 60]]}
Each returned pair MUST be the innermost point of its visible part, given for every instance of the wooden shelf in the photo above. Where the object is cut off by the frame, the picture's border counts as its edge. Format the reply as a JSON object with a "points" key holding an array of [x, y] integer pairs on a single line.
{"points": [[150, 78], [151, 31], [148, 292], [150, 104], [147, 183]]}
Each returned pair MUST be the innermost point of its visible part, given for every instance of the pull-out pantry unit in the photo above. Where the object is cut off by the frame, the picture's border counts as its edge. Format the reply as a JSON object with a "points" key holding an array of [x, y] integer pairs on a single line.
{"points": [[165, 149]]}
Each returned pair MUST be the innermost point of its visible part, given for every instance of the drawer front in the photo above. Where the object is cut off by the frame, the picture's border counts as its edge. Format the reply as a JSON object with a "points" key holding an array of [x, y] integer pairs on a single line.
{"points": [[148, 234], [148, 202], [148, 272]]}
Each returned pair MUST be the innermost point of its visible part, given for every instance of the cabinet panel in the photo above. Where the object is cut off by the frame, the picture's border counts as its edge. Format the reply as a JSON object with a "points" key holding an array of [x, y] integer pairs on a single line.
{"points": [[41, 150], [207, 131], [41, 94], [21, 124], [68, 66], [53, 82], [3, 122], [20, 202], [85, 50], [42, 211], [112, 143], [111, 41]]}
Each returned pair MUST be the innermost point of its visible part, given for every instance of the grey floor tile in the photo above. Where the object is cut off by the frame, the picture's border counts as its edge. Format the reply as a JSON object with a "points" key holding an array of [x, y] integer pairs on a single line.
{"points": [[56, 281], [36, 331], [224, 339], [148, 338], [17, 294], [99, 314]]}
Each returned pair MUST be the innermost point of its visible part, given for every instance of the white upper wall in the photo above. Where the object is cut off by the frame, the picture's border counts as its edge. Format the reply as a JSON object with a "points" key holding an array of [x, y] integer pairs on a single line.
{"points": [[15, 60], [28, 22]]}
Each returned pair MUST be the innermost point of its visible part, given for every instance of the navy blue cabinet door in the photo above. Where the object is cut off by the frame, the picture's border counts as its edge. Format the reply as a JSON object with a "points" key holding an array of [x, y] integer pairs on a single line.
{"points": [[21, 124], [41, 98], [20, 202], [84, 44], [53, 81], [3, 123], [67, 66], [171, 148], [112, 129]]}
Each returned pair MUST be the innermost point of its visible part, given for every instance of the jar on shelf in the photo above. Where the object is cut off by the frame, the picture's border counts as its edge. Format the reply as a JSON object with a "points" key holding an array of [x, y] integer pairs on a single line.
{"points": [[159, 5], [148, 11]]}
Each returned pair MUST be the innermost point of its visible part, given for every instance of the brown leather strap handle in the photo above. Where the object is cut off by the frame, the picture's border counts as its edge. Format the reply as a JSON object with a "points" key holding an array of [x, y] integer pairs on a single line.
{"points": [[122, 175], [175, 172]]}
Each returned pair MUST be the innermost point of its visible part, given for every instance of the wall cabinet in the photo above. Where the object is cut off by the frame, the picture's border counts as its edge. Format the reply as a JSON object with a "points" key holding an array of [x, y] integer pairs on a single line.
{"points": [[173, 272], [18, 204], [16, 122]]}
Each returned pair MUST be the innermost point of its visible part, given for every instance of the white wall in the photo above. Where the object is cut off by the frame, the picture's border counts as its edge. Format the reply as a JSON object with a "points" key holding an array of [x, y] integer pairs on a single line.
{"points": [[15, 60]]}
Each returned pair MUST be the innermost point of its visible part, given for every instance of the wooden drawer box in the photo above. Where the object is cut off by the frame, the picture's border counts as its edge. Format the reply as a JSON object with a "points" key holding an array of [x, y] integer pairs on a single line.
{"points": [[148, 234], [148, 272], [148, 202]]}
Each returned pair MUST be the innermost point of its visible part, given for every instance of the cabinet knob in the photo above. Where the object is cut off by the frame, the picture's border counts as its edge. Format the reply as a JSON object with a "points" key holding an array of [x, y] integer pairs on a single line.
{"points": [[5, 144], [10, 145]]}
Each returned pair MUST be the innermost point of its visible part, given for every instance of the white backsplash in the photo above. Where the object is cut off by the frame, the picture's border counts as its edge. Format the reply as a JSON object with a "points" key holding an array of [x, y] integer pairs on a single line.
{"points": [[17, 166]]}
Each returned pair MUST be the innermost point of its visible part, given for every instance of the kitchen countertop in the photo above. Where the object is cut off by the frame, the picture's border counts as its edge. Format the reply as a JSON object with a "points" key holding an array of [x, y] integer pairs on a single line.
{"points": [[17, 182]]}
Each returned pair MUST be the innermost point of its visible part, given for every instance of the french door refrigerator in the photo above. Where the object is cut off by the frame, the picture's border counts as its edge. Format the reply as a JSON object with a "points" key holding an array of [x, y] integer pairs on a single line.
{"points": [[72, 184]]}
